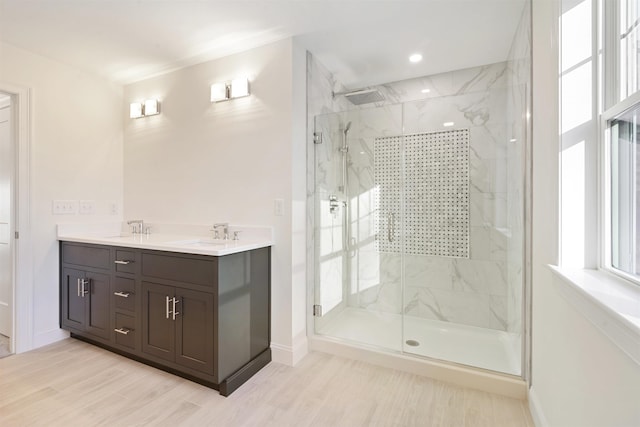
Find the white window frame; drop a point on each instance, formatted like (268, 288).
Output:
(610, 90)
(605, 184)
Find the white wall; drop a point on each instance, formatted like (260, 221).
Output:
(579, 377)
(76, 154)
(202, 163)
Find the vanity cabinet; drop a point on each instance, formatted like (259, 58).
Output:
(205, 318)
(85, 291)
(178, 326)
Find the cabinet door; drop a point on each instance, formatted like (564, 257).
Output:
(73, 309)
(97, 305)
(158, 327)
(194, 330)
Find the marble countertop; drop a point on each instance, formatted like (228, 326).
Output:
(186, 241)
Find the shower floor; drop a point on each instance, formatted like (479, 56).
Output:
(467, 345)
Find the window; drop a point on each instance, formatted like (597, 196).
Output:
(621, 161)
(629, 33)
(623, 133)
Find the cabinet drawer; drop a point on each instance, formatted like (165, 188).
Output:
(180, 269)
(125, 334)
(125, 261)
(86, 256)
(124, 293)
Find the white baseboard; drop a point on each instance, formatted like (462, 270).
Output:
(536, 410)
(290, 355)
(41, 339)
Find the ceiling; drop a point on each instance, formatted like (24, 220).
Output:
(363, 42)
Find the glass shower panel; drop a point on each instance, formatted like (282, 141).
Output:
(329, 216)
(459, 231)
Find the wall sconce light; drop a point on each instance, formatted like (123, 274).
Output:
(219, 92)
(135, 110)
(239, 87)
(149, 107)
(236, 88)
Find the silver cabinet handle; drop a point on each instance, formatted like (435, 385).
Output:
(122, 294)
(171, 311)
(122, 331)
(174, 312)
(83, 291)
(123, 261)
(78, 286)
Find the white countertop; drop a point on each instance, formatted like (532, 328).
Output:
(187, 241)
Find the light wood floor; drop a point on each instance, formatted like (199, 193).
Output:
(71, 383)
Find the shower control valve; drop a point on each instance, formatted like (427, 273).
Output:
(334, 204)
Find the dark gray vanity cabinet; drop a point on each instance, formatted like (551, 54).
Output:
(205, 318)
(178, 326)
(85, 291)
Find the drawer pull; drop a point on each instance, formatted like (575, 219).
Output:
(122, 331)
(122, 294)
(123, 261)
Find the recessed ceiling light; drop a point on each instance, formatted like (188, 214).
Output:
(448, 124)
(416, 57)
(513, 140)
(425, 90)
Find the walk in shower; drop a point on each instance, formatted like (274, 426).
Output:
(418, 203)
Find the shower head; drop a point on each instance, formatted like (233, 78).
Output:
(347, 127)
(362, 96)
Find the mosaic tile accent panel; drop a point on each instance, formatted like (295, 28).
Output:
(436, 193)
(387, 158)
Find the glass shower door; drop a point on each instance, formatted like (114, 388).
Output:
(358, 285)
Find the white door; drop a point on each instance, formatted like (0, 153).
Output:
(6, 242)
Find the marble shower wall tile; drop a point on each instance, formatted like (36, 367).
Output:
(488, 210)
(477, 276)
(450, 306)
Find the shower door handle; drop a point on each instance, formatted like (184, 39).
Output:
(391, 226)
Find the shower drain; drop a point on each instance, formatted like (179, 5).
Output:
(412, 343)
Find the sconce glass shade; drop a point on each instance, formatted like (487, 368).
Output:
(151, 107)
(239, 87)
(135, 110)
(218, 92)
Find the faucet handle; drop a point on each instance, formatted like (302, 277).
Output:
(236, 235)
(225, 230)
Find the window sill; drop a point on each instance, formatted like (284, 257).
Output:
(611, 303)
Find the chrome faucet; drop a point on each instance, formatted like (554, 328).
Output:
(137, 226)
(225, 230)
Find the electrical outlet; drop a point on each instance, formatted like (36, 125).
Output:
(65, 207)
(87, 207)
(278, 207)
(113, 208)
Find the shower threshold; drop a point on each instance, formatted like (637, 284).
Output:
(468, 345)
